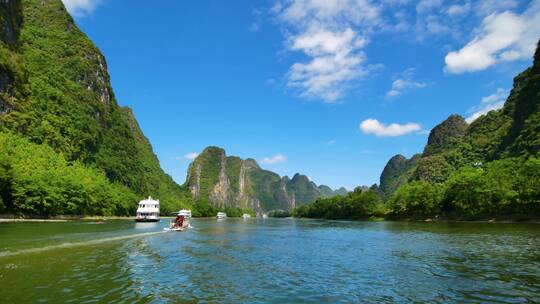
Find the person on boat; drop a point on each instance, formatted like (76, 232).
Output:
(180, 221)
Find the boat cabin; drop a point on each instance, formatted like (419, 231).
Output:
(148, 210)
(185, 213)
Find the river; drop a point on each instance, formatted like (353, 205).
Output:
(269, 261)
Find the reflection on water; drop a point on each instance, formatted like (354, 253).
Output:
(273, 260)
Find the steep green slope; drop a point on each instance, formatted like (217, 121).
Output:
(522, 137)
(398, 171)
(441, 155)
(36, 180)
(445, 135)
(227, 181)
(55, 90)
(305, 191)
(513, 131)
(486, 169)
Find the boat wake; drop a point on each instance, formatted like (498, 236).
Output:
(76, 244)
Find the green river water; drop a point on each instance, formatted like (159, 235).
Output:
(269, 261)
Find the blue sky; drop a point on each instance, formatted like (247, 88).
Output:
(331, 89)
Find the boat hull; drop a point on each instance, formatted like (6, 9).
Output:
(175, 229)
(146, 220)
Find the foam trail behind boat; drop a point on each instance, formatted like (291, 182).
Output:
(76, 244)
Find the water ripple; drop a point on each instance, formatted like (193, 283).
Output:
(283, 261)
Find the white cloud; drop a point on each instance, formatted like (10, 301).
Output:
(324, 31)
(491, 102)
(275, 159)
(331, 142)
(502, 36)
(427, 5)
(434, 25)
(500, 94)
(404, 82)
(81, 8)
(457, 10)
(331, 37)
(334, 62)
(255, 25)
(191, 155)
(431, 19)
(373, 126)
(308, 12)
(488, 7)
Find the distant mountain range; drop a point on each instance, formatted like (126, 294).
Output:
(229, 181)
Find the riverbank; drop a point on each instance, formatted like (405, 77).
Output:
(437, 220)
(15, 220)
(62, 218)
(11, 218)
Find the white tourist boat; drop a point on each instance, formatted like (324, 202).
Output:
(148, 210)
(246, 216)
(221, 215)
(185, 213)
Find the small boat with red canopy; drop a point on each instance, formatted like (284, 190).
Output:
(180, 222)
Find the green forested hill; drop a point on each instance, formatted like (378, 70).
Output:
(55, 91)
(231, 182)
(490, 168)
(513, 131)
(487, 168)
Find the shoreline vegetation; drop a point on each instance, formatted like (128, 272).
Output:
(507, 189)
(60, 219)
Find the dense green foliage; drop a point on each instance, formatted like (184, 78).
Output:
(506, 188)
(398, 171)
(55, 91)
(36, 180)
(502, 188)
(280, 213)
(238, 212)
(418, 199)
(445, 135)
(358, 204)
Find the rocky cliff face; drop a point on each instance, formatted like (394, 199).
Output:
(229, 181)
(12, 75)
(10, 21)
